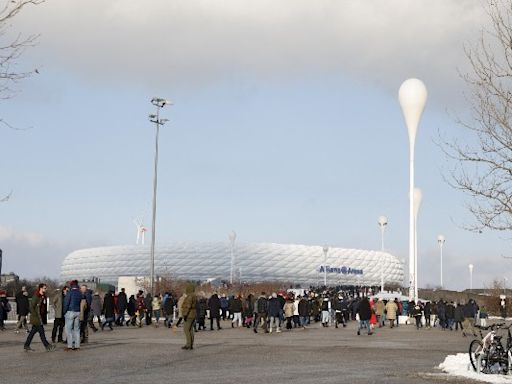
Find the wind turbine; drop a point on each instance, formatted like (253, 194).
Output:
(141, 230)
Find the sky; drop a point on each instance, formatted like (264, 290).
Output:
(285, 127)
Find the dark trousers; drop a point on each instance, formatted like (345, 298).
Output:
(457, 323)
(257, 318)
(58, 328)
(427, 320)
(418, 322)
(35, 329)
(224, 313)
(218, 322)
(149, 314)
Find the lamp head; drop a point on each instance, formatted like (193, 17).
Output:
(159, 102)
(326, 249)
(471, 266)
(232, 236)
(413, 97)
(441, 239)
(383, 221)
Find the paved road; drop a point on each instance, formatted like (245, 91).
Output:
(315, 355)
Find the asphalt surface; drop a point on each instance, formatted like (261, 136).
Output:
(313, 355)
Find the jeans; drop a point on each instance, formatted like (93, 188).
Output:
(120, 318)
(303, 321)
(156, 312)
(257, 319)
(35, 329)
(218, 322)
(73, 329)
(363, 324)
(274, 320)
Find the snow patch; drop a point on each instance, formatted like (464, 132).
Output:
(459, 365)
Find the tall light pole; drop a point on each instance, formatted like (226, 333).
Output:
(471, 266)
(232, 239)
(383, 222)
(440, 241)
(418, 196)
(326, 250)
(158, 103)
(412, 96)
(505, 285)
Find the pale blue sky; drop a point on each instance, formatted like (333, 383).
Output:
(283, 137)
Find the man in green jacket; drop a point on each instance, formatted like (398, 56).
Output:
(36, 321)
(189, 316)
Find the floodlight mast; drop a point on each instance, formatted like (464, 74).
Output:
(155, 118)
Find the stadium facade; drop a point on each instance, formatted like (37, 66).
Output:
(256, 262)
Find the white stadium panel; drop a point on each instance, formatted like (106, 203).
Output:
(257, 262)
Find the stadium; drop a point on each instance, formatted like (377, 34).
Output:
(256, 262)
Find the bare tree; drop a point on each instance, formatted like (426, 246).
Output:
(483, 167)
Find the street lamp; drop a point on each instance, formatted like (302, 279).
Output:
(440, 241)
(325, 249)
(232, 239)
(505, 285)
(471, 266)
(412, 96)
(383, 222)
(158, 103)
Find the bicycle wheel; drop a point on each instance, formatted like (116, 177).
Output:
(476, 349)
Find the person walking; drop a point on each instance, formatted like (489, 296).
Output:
(189, 317)
(391, 311)
(180, 312)
(261, 313)
(58, 308)
(469, 311)
(122, 304)
(108, 310)
(37, 321)
(236, 309)
(458, 316)
(157, 305)
(148, 302)
(96, 309)
(274, 307)
(141, 307)
(365, 312)
(224, 305)
(72, 316)
(427, 311)
(304, 311)
(23, 309)
(289, 309)
(214, 307)
(326, 308)
(380, 309)
(131, 308)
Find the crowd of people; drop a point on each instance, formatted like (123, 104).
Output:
(78, 310)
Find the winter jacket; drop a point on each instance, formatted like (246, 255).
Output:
(274, 307)
(132, 306)
(97, 305)
(262, 305)
(391, 310)
(289, 308)
(427, 309)
(180, 304)
(364, 310)
(224, 303)
(22, 304)
(72, 300)
(214, 306)
(108, 306)
(201, 308)
(458, 314)
(189, 304)
(122, 301)
(450, 311)
(236, 305)
(35, 310)
(380, 307)
(156, 303)
(303, 307)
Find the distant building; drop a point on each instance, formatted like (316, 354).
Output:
(9, 278)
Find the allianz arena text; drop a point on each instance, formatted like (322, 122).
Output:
(253, 262)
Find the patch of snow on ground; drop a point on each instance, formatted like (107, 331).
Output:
(459, 365)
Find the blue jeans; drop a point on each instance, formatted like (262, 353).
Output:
(366, 323)
(73, 329)
(303, 321)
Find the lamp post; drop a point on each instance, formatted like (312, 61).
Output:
(383, 222)
(505, 285)
(471, 266)
(418, 196)
(232, 239)
(412, 96)
(325, 249)
(440, 241)
(158, 103)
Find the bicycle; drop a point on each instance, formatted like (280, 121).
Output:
(488, 354)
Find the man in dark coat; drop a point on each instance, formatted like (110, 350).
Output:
(122, 303)
(261, 313)
(427, 311)
(36, 321)
(365, 313)
(303, 311)
(108, 310)
(22, 308)
(148, 302)
(214, 306)
(58, 307)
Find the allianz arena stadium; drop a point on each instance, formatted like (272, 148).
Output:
(256, 262)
